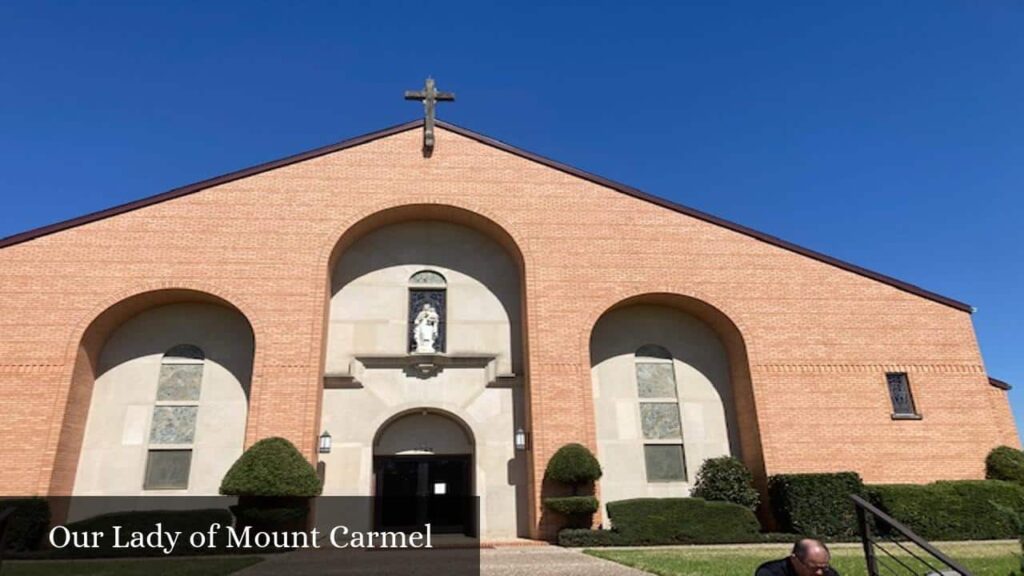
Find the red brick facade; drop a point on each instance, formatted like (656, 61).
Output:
(810, 341)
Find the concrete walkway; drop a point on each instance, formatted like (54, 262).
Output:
(521, 561)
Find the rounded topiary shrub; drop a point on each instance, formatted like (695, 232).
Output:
(574, 465)
(572, 505)
(272, 467)
(726, 479)
(1005, 463)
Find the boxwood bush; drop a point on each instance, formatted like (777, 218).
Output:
(572, 505)
(573, 465)
(816, 505)
(28, 523)
(274, 484)
(650, 521)
(272, 467)
(953, 510)
(1005, 463)
(583, 538)
(726, 479)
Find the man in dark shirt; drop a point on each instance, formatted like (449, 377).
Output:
(809, 558)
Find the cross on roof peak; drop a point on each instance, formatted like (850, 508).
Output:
(430, 97)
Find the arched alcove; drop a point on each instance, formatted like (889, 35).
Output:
(671, 388)
(161, 383)
(463, 274)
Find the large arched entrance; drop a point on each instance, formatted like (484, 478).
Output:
(423, 474)
(426, 312)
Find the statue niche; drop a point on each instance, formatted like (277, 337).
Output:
(427, 291)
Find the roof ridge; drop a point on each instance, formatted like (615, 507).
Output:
(483, 139)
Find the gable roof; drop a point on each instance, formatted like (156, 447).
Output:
(316, 152)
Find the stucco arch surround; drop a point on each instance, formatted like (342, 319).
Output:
(506, 475)
(731, 335)
(85, 346)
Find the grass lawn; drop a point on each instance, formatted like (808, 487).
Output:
(140, 567)
(981, 558)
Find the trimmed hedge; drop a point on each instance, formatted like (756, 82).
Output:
(583, 538)
(574, 538)
(649, 521)
(572, 505)
(1005, 463)
(272, 467)
(953, 510)
(816, 505)
(28, 523)
(573, 464)
(726, 479)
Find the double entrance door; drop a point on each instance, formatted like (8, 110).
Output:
(416, 490)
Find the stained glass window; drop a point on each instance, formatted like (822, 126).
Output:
(660, 422)
(175, 411)
(664, 462)
(899, 393)
(428, 296)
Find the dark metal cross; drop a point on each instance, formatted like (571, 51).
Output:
(430, 97)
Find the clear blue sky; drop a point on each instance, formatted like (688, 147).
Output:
(888, 134)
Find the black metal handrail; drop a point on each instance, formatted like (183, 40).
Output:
(892, 532)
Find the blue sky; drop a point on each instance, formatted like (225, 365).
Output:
(888, 134)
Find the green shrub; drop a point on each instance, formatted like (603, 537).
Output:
(27, 524)
(816, 505)
(573, 465)
(1005, 463)
(650, 521)
(726, 479)
(577, 538)
(272, 467)
(953, 510)
(572, 505)
(184, 521)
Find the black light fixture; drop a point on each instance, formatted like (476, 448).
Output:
(325, 442)
(520, 439)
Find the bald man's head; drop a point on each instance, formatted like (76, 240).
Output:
(811, 556)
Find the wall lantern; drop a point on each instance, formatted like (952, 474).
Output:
(325, 442)
(520, 439)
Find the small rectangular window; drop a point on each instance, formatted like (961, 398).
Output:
(665, 463)
(900, 395)
(167, 469)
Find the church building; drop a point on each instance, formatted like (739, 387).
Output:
(428, 308)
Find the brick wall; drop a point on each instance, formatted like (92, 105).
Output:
(818, 338)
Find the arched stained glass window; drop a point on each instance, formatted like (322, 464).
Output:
(659, 414)
(427, 312)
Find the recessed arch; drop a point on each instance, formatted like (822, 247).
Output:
(89, 364)
(727, 331)
(380, 269)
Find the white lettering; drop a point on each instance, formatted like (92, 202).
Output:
(233, 539)
(213, 529)
(334, 541)
(64, 532)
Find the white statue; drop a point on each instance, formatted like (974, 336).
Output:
(426, 329)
